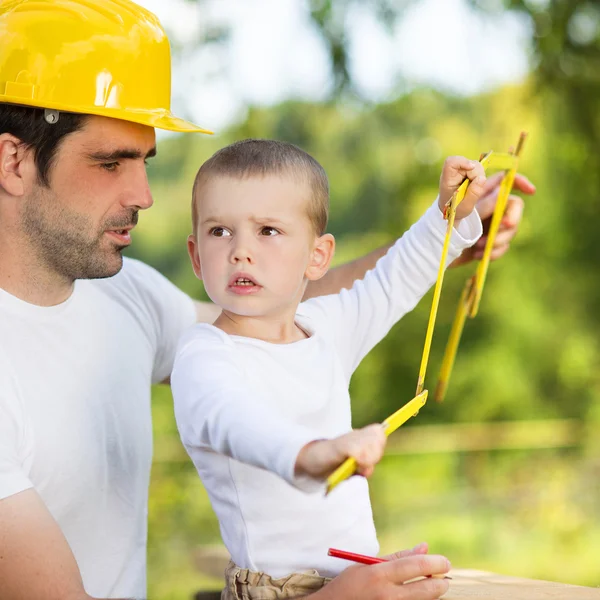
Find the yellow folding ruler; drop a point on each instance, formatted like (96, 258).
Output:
(469, 301)
(470, 298)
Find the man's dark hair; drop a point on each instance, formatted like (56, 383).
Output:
(29, 125)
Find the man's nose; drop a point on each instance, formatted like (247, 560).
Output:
(138, 193)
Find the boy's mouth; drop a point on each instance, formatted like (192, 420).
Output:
(242, 283)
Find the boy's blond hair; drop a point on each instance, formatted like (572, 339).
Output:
(252, 157)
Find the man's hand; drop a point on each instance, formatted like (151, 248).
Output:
(509, 224)
(386, 581)
(320, 458)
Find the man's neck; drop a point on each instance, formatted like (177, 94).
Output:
(23, 275)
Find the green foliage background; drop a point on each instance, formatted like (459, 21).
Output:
(531, 354)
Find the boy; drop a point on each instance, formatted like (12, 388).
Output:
(262, 395)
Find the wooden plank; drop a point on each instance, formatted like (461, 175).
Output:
(455, 437)
(503, 435)
(470, 584)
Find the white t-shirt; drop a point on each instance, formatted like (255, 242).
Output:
(241, 400)
(75, 419)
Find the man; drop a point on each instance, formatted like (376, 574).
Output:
(83, 84)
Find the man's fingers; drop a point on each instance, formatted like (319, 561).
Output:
(426, 589)
(496, 252)
(410, 567)
(486, 204)
(493, 182)
(508, 226)
(523, 184)
(503, 238)
(513, 212)
(515, 204)
(421, 548)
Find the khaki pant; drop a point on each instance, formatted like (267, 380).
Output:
(243, 584)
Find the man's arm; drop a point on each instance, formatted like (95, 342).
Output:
(345, 275)
(35, 558)
(387, 580)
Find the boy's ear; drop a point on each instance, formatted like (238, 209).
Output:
(320, 257)
(13, 164)
(194, 256)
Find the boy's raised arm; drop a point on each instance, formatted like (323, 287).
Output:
(345, 275)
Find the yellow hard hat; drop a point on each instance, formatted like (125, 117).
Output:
(100, 57)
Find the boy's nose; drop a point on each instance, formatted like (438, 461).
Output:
(241, 253)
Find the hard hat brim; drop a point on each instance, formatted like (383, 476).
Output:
(172, 123)
(159, 118)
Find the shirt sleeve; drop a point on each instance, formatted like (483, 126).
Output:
(215, 410)
(169, 311)
(359, 318)
(15, 443)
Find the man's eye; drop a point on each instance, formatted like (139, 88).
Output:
(219, 232)
(269, 231)
(112, 166)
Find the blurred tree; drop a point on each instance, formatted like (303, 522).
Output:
(534, 349)
(530, 353)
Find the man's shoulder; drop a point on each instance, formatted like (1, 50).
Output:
(132, 273)
(135, 284)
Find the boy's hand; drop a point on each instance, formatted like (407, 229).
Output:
(455, 170)
(320, 458)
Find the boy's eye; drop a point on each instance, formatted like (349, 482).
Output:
(110, 167)
(219, 232)
(269, 231)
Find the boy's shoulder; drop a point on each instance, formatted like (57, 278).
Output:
(318, 314)
(203, 335)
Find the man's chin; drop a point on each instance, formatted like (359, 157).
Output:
(105, 268)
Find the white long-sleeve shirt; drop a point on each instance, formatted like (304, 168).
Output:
(245, 408)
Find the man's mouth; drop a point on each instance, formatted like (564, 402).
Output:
(122, 235)
(121, 232)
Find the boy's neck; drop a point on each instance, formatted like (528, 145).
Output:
(275, 330)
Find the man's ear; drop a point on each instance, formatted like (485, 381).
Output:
(192, 246)
(13, 157)
(320, 258)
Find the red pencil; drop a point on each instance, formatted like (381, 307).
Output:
(359, 558)
(367, 560)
